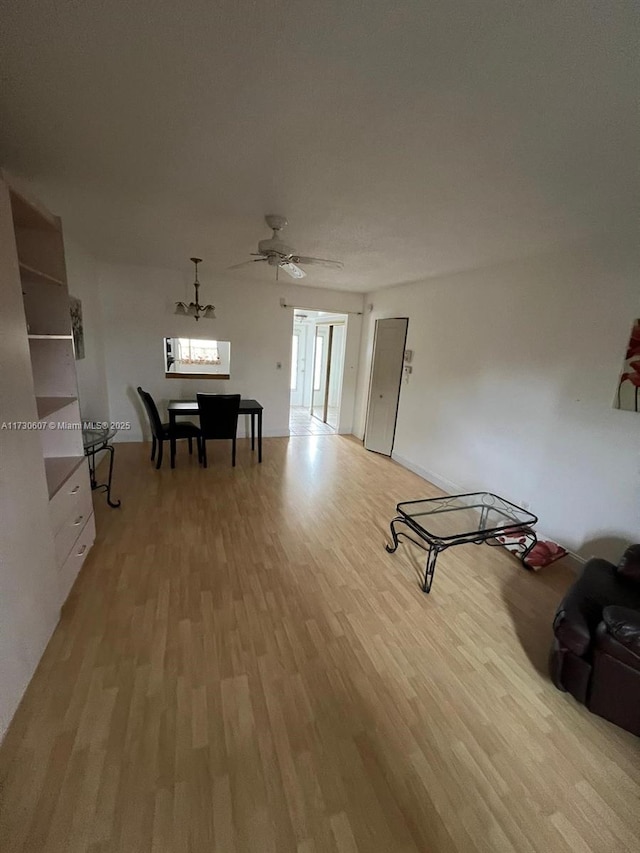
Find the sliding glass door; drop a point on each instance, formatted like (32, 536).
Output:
(334, 375)
(328, 367)
(320, 363)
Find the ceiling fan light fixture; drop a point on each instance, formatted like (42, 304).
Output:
(277, 254)
(293, 270)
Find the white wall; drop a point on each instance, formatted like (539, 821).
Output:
(514, 373)
(138, 304)
(82, 276)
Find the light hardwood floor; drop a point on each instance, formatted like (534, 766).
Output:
(242, 667)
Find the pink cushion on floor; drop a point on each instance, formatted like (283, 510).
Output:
(543, 554)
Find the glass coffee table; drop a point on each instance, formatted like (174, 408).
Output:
(94, 440)
(440, 523)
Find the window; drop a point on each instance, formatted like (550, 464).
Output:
(192, 357)
(197, 352)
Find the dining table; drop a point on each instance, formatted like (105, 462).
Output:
(189, 408)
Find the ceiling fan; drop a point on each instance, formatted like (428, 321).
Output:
(277, 254)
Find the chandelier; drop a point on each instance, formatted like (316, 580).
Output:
(194, 309)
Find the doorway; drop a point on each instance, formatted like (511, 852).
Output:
(384, 389)
(317, 369)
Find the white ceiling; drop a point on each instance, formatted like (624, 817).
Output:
(408, 139)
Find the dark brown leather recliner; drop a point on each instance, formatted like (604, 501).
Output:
(596, 650)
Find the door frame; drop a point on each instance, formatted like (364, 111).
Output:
(314, 317)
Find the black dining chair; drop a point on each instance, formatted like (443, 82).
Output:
(161, 432)
(218, 420)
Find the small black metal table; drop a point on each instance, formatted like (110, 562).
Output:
(95, 440)
(190, 407)
(478, 517)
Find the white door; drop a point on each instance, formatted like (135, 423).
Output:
(384, 390)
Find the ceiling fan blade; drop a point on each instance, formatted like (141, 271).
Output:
(293, 270)
(244, 263)
(325, 262)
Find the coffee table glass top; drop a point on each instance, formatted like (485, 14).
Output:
(93, 437)
(456, 516)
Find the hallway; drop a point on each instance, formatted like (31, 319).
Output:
(302, 423)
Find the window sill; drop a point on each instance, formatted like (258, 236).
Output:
(197, 376)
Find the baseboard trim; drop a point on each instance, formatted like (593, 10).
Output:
(575, 561)
(443, 483)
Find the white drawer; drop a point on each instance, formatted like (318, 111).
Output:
(67, 535)
(84, 506)
(72, 527)
(70, 497)
(73, 563)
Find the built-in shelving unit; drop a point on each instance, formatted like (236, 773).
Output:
(46, 307)
(28, 272)
(43, 281)
(47, 523)
(31, 214)
(48, 406)
(50, 337)
(58, 469)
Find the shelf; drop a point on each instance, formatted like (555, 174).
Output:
(50, 337)
(29, 214)
(48, 405)
(58, 468)
(31, 273)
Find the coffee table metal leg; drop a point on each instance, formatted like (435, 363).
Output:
(114, 504)
(432, 551)
(532, 541)
(91, 456)
(394, 535)
(92, 467)
(430, 568)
